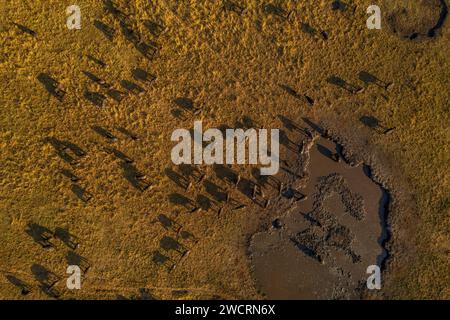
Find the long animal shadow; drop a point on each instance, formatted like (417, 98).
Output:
(252, 191)
(96, 79)
(95, 98)
(177, 178)
(368, 78)
(341, 83)
(313, 32)
(107, 31)
(51, 85)
(290, 193)
(325, 151)
(131, 87)
(374, 123)
(114, 94)
(75, 259)
(154, 28)
(187, 236)
(168, 223)
(205, 203)
(97, 61)
(25, 29)
(127, 133)
(40, 235)
(226, 174)
(218, 193)
(338, 5)
(136, 178)
(170, 244)
(314, 126)
(187, 105)
(296, 95)
(178, 114)
(292, 126)
(46, 279)
(109, 7)
(265, 181)
(148, 50)
(119, 155)
(290, 91)
(23, 286)
(288, 143)
(142, 75)
(162, 260)
(69, 174)
(81, 193)
(192, 172)
(128, 32)
(74, 148)
(66, 237)
(271, 9)
(181, 200)
(104, 133)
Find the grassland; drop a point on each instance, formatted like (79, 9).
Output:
(231, 66)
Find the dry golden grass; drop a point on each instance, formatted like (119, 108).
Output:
(231, 65)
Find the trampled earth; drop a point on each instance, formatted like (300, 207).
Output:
(86, 176)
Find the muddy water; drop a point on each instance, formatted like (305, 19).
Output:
(321, 246)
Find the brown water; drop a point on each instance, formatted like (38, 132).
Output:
(320, 247)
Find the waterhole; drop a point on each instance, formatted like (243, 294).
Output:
(320, 245)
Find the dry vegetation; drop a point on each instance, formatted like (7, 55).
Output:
(231, 66)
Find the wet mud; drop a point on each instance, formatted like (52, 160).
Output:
(319, 245)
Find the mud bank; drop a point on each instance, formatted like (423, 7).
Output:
(320, 243)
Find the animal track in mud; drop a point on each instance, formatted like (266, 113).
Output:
(319, 247)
